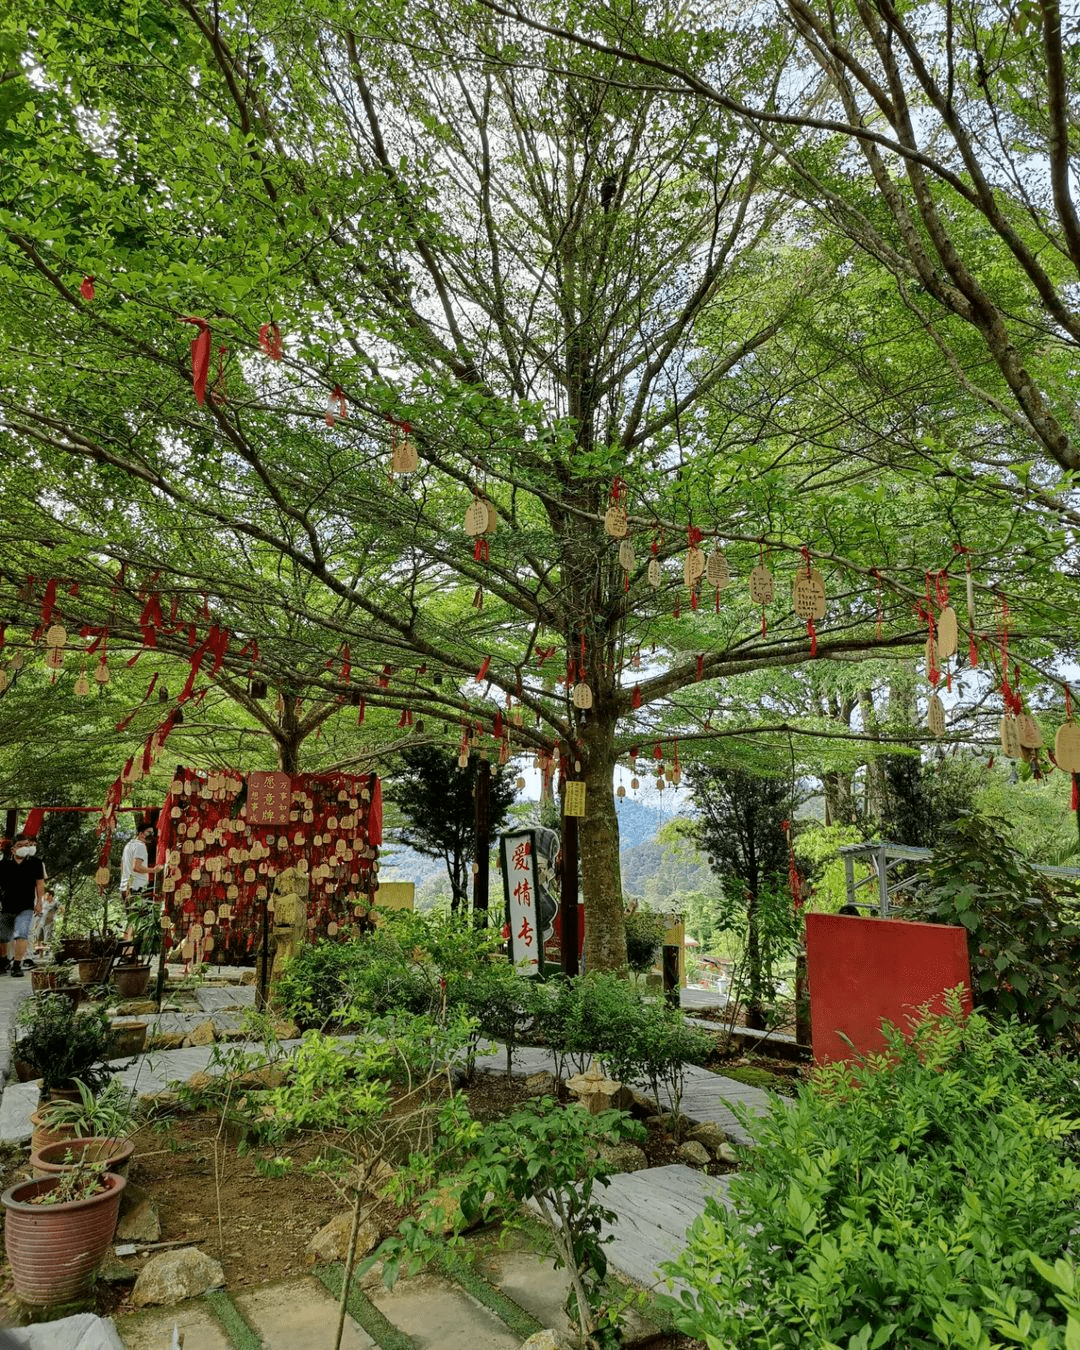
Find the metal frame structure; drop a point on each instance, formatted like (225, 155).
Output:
(881, 857)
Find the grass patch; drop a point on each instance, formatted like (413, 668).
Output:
(761, 1078)
(233, 1321)
(511, 1314)
(361, 1309)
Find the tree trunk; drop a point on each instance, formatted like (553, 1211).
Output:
(876, 786)
(755, 1003)
(288, 735)
(598, 838)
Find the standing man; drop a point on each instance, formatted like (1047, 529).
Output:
(135, 869)
(22, 888)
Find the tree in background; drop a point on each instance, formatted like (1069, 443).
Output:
(739, 823)
(438, 798)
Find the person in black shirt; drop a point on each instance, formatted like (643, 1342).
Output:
(22, 885)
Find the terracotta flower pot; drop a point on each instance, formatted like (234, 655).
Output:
(96, 970)
(46, 1133)
(131, 981)
(72, 992)
(47, 977)
(51, 1160)
(55, 1250)
(128, 1038)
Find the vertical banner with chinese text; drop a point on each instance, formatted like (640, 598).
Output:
(518, 855)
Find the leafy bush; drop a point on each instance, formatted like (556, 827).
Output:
(62, 1044)
(343, 984)
(644, 938)
(1023, 947)
(897, 1202)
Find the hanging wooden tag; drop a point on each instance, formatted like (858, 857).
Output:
(1067, 747)
(101, 876)
(82, 685)
(947, 633)
(574, 798)
(717, 571)
(476, 517)
(492, 517)
(582, 696)
(17, 660)
(403, 456)
(930, 658)
(693, 565)
(54, 658)
(56, 636)
(935, 716)
(615, 521)
(762, 586)
(1010, 736)
(1029, 731)
(4, 681)
(808, 594)
(635, 783)
(653, 573)
(101, 674)
(626, 556)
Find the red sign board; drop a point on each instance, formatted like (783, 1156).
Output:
(269, 798)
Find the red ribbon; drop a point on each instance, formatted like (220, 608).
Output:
(200, 358)
(700, 666)
(481, 552)
(86, 290)
(635, 699)
(270, 341)
(483, 669)
(811, 632)
(335, 406)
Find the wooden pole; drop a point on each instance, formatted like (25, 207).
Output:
(568, 899)
(481, 879)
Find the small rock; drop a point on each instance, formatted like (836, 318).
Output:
(694, 1153)
(248, 977)
(285, 1030)
(135, 1007)
(171, 1277)
(442, 1212)
(548, 1339)
(331, 1242)
(710, 1134)
(141, 1224)
(166, 1040)
(164, 1100)
(726, 1154)
(199, 1082)
(624, 1157)
(203, 1034)
(643, 1104)
(540, 1084)
(676, 1125)
(268, 1076)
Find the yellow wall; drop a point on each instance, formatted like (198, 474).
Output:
(674, 938)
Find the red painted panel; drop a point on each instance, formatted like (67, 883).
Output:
(864, 971)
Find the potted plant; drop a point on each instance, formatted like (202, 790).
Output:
(109, 1152)
(62, 1045)
(144, 922)
(57, 1231)
(113, 1114)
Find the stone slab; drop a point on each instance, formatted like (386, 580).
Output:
(188, 1021)
(18, 1103)
(440, 1316)
(299, 1315)
(154, 1330)
(212, 999)
(654, 1208)
(82, 1331)
(532, 1282)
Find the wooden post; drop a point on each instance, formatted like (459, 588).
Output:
(568, 899)
(262, 994)
(483, 843)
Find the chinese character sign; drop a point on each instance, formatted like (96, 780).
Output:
(269, 798)
(524, 921)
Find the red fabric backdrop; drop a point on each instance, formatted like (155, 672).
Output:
(217, 867)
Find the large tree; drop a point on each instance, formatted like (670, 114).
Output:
(569, 293)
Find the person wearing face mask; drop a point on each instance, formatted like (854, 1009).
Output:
(22, 887)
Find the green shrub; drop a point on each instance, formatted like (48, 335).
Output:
(63, 1045)
(897, 1202)
(1023, 947)
(644, 938)
(343, 984)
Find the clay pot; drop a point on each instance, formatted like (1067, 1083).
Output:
(96, 970)
(47, 977)
(75, 949)
(128, 1039)
(46, 1133)
(131, 981)
(72, 992)
(52, 1159)
(55, 1250)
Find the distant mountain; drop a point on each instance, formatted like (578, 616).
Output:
(638, 825)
